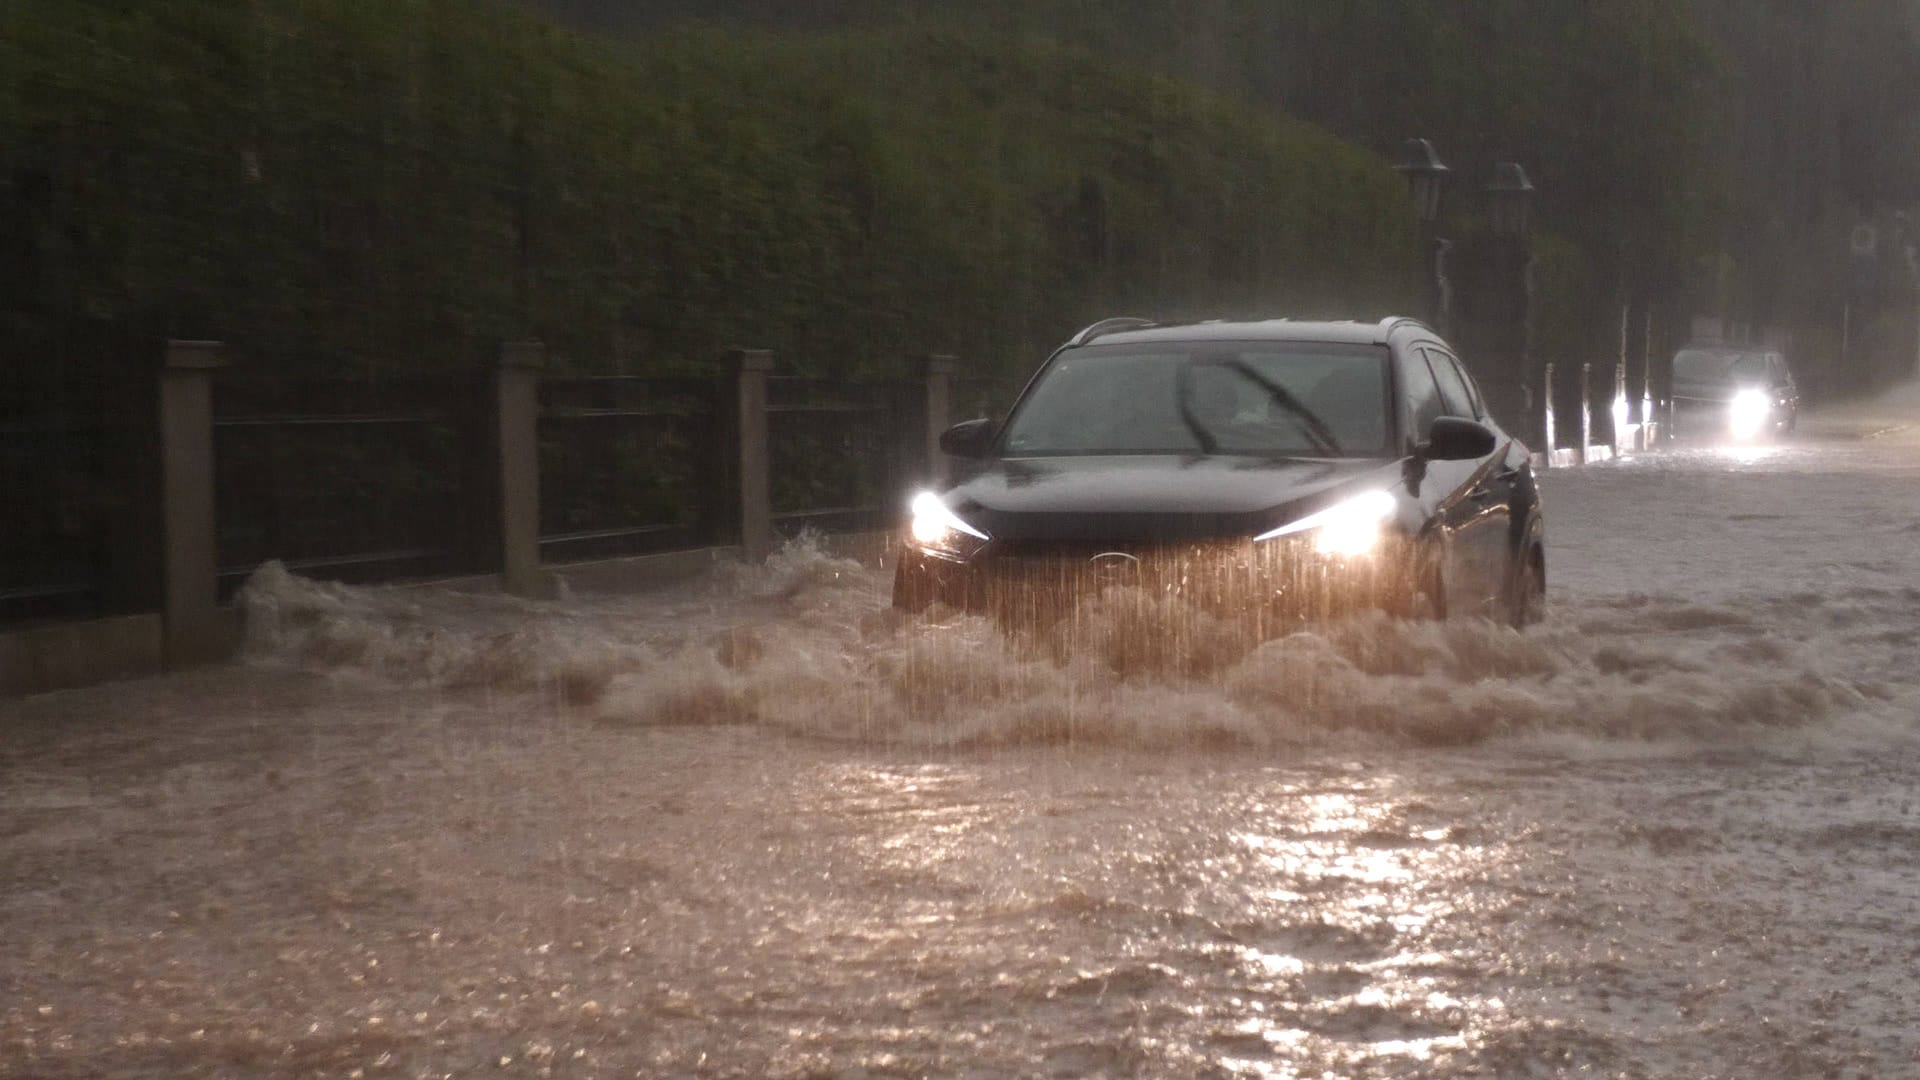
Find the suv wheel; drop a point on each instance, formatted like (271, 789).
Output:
(1529, 603)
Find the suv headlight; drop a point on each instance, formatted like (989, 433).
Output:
(1350, 527)
(939, 531)
(1748, 413)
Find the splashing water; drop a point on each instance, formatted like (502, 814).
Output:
(806, 645)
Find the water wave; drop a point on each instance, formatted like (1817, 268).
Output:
(806, 645)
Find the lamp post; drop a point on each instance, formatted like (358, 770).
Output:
(1509, 201)
(1496, 308)
(1908, 247)
(1426, 177)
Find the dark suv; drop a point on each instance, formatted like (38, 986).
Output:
(1278, 468)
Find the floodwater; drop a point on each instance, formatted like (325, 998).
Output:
(761, 827)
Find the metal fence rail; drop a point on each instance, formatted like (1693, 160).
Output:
(343, 479)
(629, 466)
(205, 471)
(836, 453)
(60, 495)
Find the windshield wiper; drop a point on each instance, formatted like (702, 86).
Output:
(1183, 380)
(1315, 428)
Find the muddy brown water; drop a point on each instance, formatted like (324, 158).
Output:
(760, 827)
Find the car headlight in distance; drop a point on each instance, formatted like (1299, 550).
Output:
(936, 528)
(1748, 412)
(1348, 528)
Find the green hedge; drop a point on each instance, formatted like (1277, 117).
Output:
(343, 187)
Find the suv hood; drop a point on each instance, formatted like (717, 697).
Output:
(1714, 389)
(1159, 497)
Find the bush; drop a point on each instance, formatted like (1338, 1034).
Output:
(338, 187)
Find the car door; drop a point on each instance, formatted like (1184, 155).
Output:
(1510, 478)
(1481, 517)
(1441, 486)
(1781, 379)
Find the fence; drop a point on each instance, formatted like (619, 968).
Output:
(627, 465)
(75, 454)
(349, 479)
(207, 472)
(1605, 420)
(54, 558)
(1597, 411)
(506, 473)
(865, 429)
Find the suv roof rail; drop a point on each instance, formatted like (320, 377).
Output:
(1108, 326)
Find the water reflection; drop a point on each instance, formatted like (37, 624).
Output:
(1283, 929)
(1747, 454)
(1362, 906)
(913, 819)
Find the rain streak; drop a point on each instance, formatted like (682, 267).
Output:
(815, 539)
(762, 825)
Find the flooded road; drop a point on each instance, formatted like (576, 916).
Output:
(761, 827)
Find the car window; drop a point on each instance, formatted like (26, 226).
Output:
(1700, 365)
(1719, 366)
(1473, 388)
(1424, 404)
(1453, 391)
(1287, 398)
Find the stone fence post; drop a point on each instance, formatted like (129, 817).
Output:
(1547, 426)
(194, 631)
(1586, 410)
(517, 435)
(1651, 425)
(1618, 407)
(748, 369)
(937, 372)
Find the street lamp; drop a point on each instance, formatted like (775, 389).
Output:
(1426, 177)
(1909, 249)
(1507, 302)
(1497, 309)
(1510, 200)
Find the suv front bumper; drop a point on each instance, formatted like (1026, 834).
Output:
(1273, 581)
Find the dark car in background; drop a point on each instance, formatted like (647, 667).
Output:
(1279, 469)
(1733, 392)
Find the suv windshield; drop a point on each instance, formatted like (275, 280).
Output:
(1212, 397)
(1715, 366)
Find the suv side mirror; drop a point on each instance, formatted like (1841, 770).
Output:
(968, 439)
(1455, 438)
